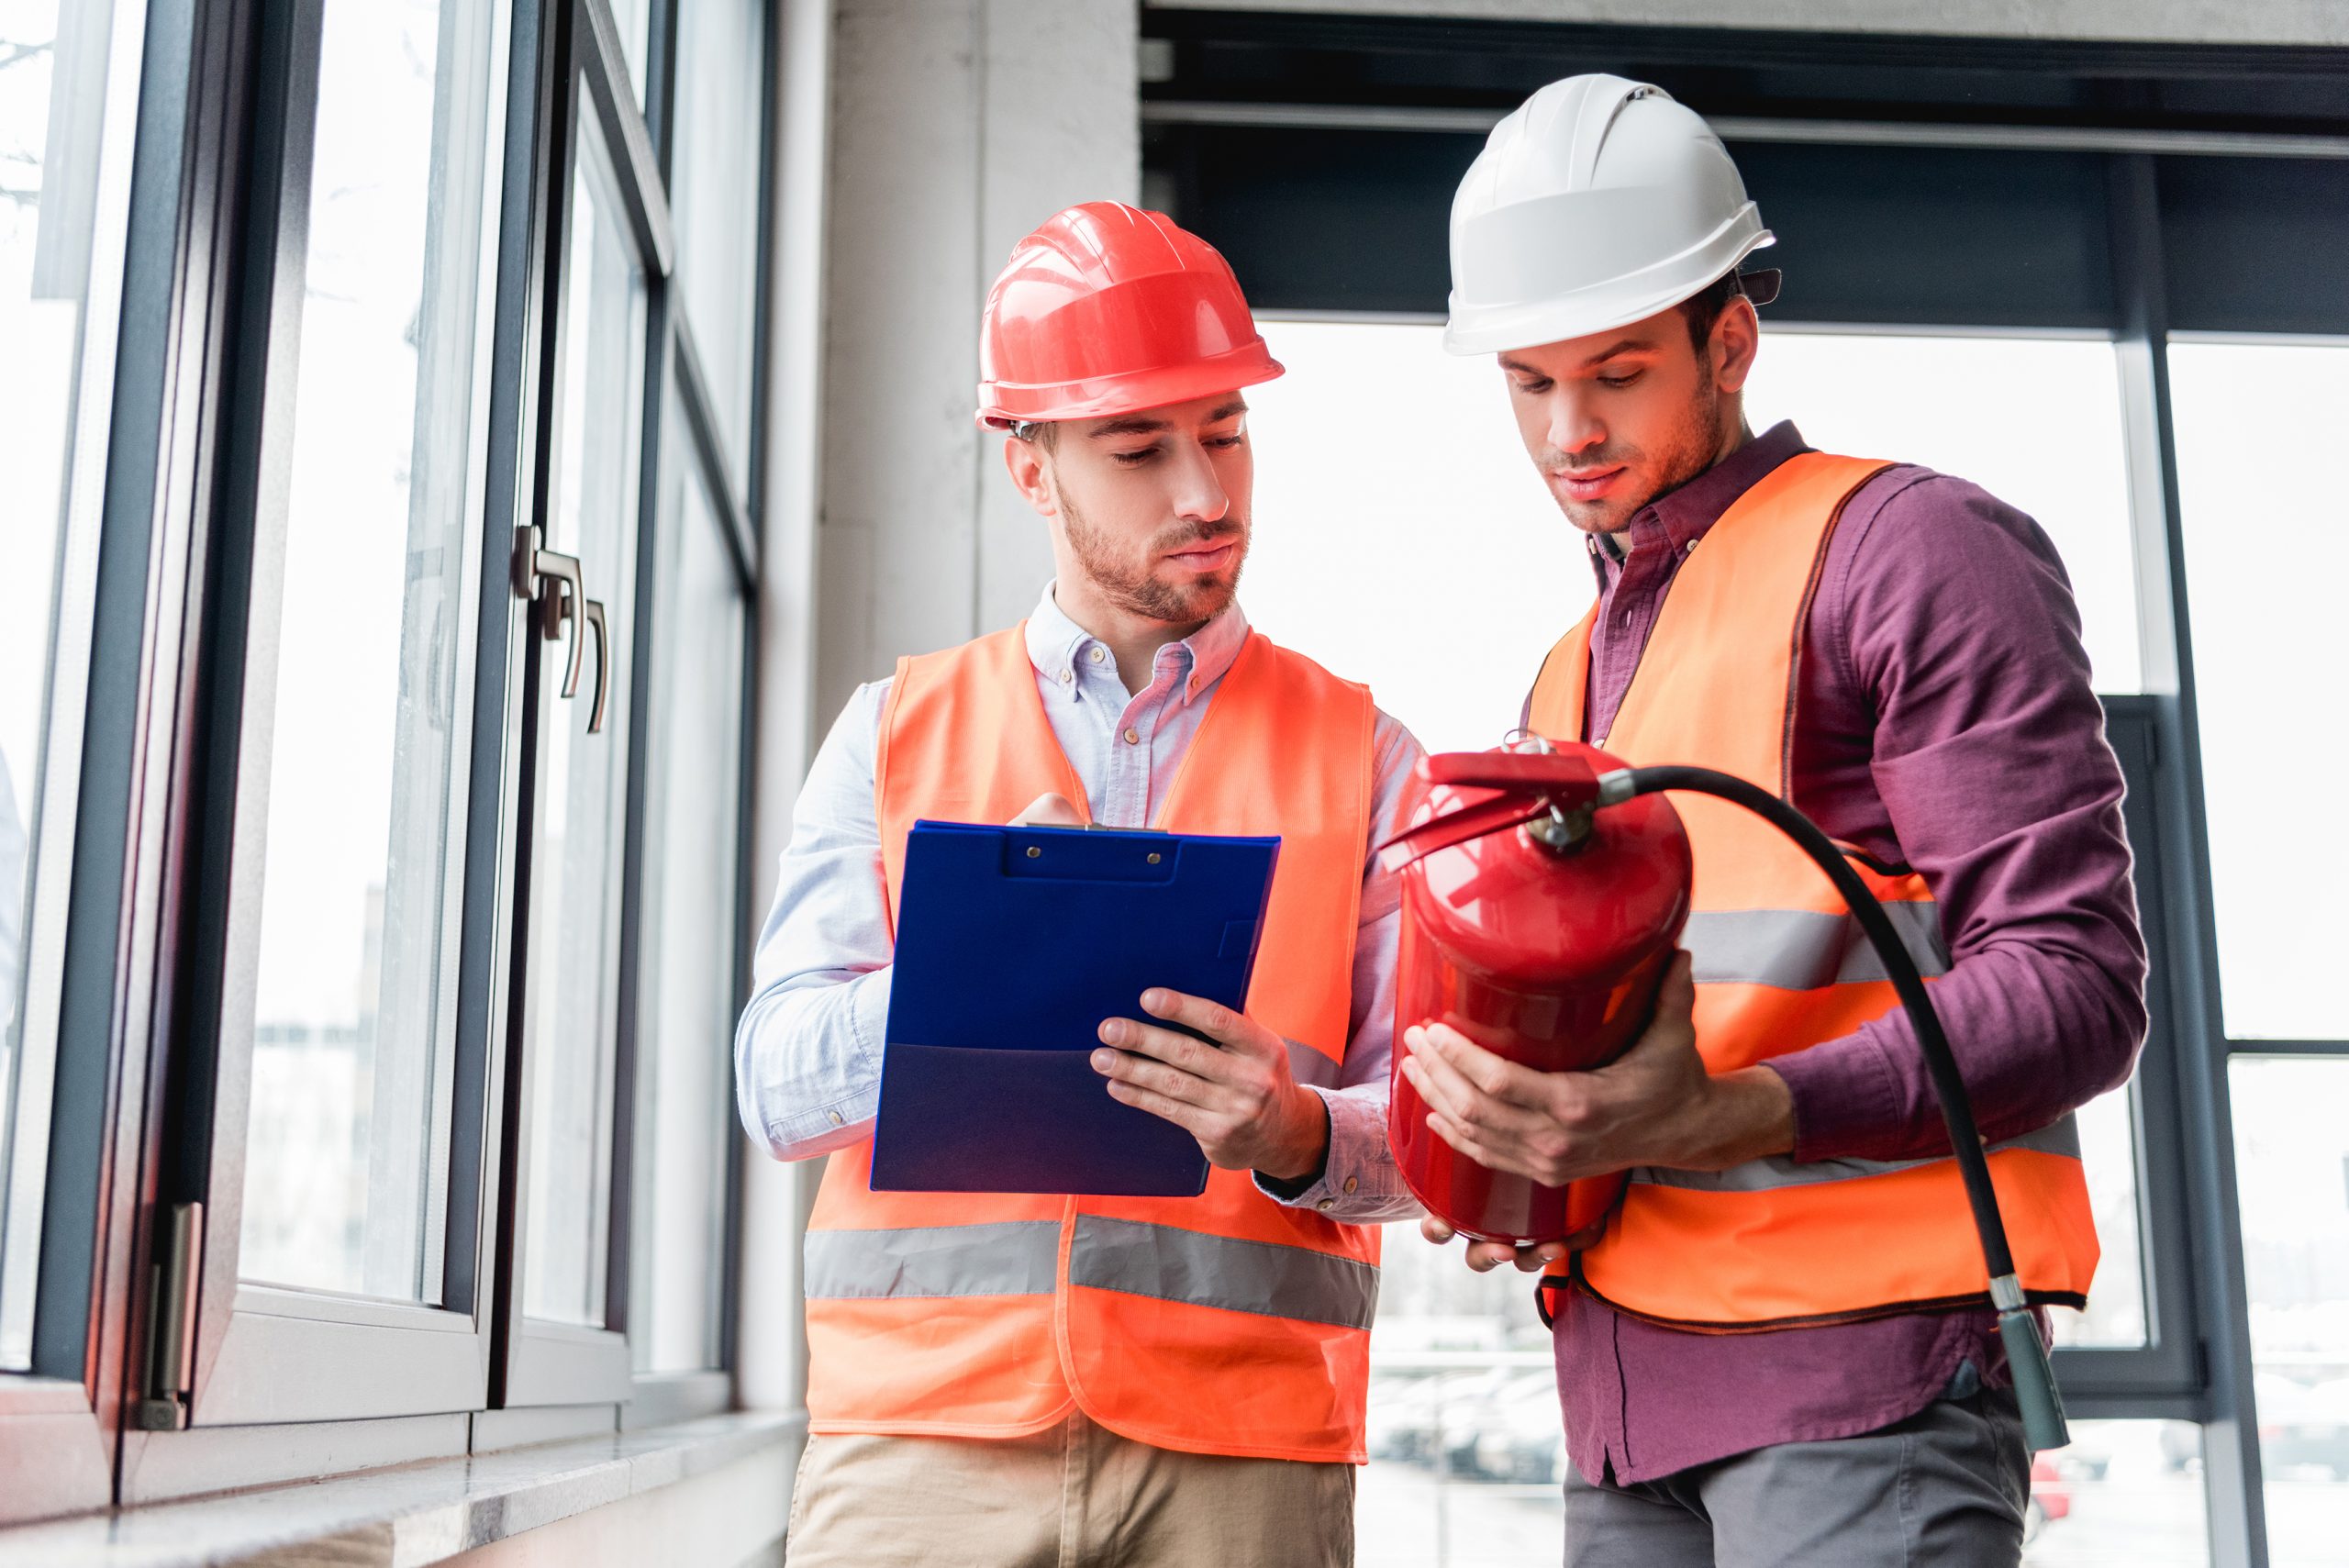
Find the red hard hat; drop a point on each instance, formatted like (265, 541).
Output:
(1107, 309)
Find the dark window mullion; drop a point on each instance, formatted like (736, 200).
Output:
(602, 62)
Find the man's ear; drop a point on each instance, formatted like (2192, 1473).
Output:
(1737, 338)
(1025, 462)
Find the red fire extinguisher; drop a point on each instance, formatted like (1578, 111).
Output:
(1540, 929)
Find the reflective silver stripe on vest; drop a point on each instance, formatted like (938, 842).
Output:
(1777, 1171)
(1019, 1257)
(1803, 950)
(1309, 1067)
(1173, 1264)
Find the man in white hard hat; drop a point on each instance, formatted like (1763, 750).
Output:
(1780, 1348)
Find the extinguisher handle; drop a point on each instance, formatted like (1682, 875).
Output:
(1530, 783)
(1458, 827)
(1569, 782)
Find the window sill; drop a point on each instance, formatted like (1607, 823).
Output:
(413, 1514)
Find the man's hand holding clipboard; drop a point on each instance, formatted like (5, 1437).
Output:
(1232, 1092)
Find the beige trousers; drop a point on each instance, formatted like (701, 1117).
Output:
(1074, 1496)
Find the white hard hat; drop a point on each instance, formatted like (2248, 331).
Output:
(1599, 202)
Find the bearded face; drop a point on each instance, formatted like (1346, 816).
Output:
(1149, 511)
(1188, 571)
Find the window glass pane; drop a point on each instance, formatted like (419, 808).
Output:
(634, 19)
(68, 87)
(1345, 512)
(369, 652)
(2124, 1495)
(691, 944)
(1959, 405)
(2292, 1183)
(1467, 1452)
(2115, 1317)
(721, 51)
(1360, 538)
(2266, 552)
(582, 778)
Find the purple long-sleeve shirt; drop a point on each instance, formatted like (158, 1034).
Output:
(1944, 721)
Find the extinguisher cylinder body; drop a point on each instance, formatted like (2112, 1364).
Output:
(1544, 943)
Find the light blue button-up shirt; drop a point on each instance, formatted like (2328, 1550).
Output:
(808, 1052)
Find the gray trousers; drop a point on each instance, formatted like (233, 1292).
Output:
(1945, 1488)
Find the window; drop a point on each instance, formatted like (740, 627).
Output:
(634, 22)
(2292, 1176)
(1963, 404)
(721, 50)
(2123, 1491)
(68, 78)
(692, 947)
(1466, 1452)
(2267, 549)
(425, 1065)
(1391, 492)
(363, 706)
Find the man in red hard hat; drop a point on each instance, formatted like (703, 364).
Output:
(1023, 1379)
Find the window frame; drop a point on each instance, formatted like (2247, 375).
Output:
(59, 1420)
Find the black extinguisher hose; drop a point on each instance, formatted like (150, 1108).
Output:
(2041, 1406)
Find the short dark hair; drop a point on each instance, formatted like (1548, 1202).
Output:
(1037, 432)
(1702, 309)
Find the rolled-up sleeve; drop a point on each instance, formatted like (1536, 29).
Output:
(1991, 760)
(1358, 1181)
(807, 1050)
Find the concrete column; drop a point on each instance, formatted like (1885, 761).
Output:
(957, 126)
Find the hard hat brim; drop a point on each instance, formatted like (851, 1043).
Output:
(1602, 308)
(1005, 404)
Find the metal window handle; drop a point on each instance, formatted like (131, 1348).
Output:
(534, 568)
(592, 611)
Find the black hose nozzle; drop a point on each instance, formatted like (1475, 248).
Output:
(2035, 1392)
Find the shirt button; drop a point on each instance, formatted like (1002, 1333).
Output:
(838, 1120)
(1133, 736)
(1066, 676)
(1326, 1205)
(1352, 1182)
(1095, 654)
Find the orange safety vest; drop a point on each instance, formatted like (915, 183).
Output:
(1780, 965)
(1225, 1323)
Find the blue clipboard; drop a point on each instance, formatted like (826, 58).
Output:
(1013, 945)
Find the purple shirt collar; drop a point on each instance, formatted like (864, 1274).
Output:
(1679, 518)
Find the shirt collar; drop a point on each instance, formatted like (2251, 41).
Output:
(1677, 518)
(1056, 644)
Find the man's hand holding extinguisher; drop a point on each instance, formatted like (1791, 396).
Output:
(1655, 1104)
